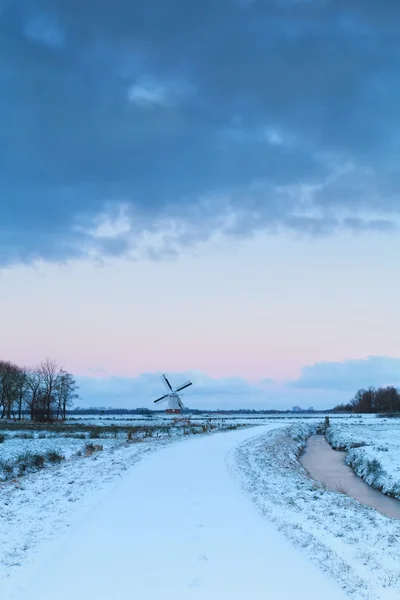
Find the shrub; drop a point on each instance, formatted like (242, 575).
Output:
(54, 457)
(91, 448)
(2, 438)
(25, 436)
(207, 426)
(357, 444)
(132, 435)
(37, 461)
(7, 470)
(29, 462)
(114, 431)
(374, 466)
(95, 433)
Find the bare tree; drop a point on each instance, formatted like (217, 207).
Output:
(381, 400)
(46, 391)
(49, 373)
(67, 393)
(33, 383)
(10, 377)
(22, 390)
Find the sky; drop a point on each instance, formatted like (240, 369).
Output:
(204, 189)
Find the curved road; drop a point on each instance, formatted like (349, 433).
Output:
(177, 527)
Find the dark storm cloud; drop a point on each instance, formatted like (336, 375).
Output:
(218, 114)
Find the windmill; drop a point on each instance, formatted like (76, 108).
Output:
(175, 404)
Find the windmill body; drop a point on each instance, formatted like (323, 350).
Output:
(172, 397)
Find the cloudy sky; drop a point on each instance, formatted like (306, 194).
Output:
(202, 187)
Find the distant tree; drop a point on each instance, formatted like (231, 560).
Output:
(50, 379)
(33, 383)
(23, 391)
(381, 400)
(67, 393)
(10, 379)
(343, 408)
(387, 399)
(45, 391)
(364, 400)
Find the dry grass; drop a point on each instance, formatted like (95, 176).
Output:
(92, 448)
(341, 488)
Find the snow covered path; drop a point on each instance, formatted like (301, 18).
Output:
(177, 527)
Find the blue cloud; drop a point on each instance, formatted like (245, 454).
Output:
(226, 115)
(350, 375)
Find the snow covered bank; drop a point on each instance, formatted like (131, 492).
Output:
(355, 545)
(372, 450)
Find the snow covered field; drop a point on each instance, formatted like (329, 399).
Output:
(372, 450)
(163, 418)
(40, 498)
(26, 447)
(177, 526)
(123, 505)
(11, 448)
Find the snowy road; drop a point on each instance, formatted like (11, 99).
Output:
(176, 527)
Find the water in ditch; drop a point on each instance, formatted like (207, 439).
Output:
(328, 466)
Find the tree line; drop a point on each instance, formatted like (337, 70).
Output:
(373, 400)
(44, 392)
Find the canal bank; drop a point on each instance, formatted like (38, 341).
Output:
(328, 467)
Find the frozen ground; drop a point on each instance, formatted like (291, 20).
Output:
(130, 520)
(163, 418)
(38, 503)
(11, 448)
(175, 526)
(355, 545)
(26, 447)
(372, 450)
(41, 506)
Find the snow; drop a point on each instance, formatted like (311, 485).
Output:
(164, 418)
(11, 448)
(40, 504)
(177, 525)
(39, 507)
(354, 544)
(26, 449)
(376, 459)
(221, 515)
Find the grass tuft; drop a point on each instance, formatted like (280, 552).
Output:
(92, 448)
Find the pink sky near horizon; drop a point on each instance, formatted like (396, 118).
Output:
(260, 308)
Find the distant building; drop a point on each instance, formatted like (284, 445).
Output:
(297, 409)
